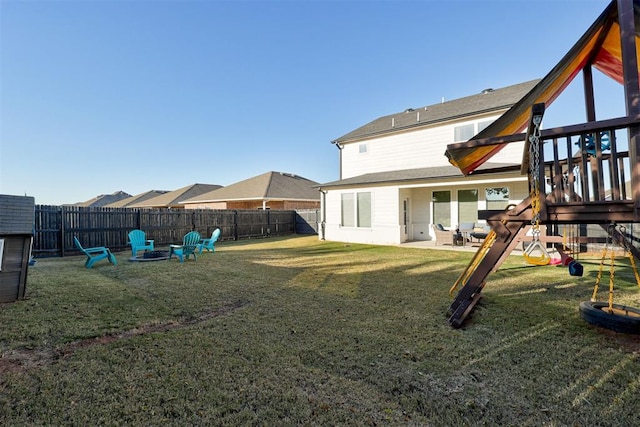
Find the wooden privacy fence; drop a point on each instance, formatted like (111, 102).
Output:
(55, 226)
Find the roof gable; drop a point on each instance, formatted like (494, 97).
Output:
(136, 199)
(269, 185)
(175, 197)
(104, 199)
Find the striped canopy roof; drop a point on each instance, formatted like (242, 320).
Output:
(599, 47)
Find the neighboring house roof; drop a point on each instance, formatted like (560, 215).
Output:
(176, 197)
(104, 199)
(268, 186)
(600, 47)
(420, 174)
(136, 199)
(487, 101)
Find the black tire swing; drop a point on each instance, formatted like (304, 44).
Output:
(616, 317)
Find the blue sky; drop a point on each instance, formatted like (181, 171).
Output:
(102, 96)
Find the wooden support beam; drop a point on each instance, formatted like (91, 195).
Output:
(626, 20)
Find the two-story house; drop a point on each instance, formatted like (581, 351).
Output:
(395, 179)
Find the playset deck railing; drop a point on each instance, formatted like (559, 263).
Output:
(588, 174)
(577, 175)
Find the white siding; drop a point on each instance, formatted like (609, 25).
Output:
(413, 149)
(385, 223)
(387, 209)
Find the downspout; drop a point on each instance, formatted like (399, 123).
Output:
(340, 158)
(323, 213)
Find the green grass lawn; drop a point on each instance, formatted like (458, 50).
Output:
(294, 331)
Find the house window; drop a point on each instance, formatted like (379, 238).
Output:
(463, 133)
(497, 198)
(364, 209)
(442, 208)
(467, 206)
(356, 209)
(483, 125)
(1, 252)
(362, 148)
(348, 210)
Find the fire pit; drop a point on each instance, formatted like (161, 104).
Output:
(151, 256)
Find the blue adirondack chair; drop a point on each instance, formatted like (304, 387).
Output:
(209, 244)
(95, 254)
(138, 241)
(187, 248)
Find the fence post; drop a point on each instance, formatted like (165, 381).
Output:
(235, 225)
(62, 230)
(268, 222)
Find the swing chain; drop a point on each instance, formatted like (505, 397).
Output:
(534, 165)
(627, 248)
(601, 266)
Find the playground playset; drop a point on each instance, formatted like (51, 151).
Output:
(579, 174)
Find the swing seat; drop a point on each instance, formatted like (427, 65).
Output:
(566, 260)
(616, 317)
(536, 254)
(575, 268)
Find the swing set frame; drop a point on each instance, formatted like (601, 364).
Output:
(595, 185)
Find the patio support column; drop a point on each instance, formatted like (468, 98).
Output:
(626, 19)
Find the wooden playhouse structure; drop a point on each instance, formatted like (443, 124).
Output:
(587, 173)
(17, 217)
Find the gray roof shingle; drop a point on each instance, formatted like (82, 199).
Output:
(420, 174)
(484, 102)
(269, 185)
(176, 197)
(104, 199)
(136, 199)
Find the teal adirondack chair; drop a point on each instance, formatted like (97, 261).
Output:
(187, 248)
(209, 244)
(138, 241)
(95, 254)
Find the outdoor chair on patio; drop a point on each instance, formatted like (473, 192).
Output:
(138, 241)
(209, 244)
(443, 236)
(188, 247)
(95, 254)
(480, 233)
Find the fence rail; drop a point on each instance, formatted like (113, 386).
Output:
(55, 226)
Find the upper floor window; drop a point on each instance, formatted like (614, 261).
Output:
(362, 148)
(463, 133)
(483, 125)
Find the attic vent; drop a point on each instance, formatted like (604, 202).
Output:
(488, 90)
(408, 110)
